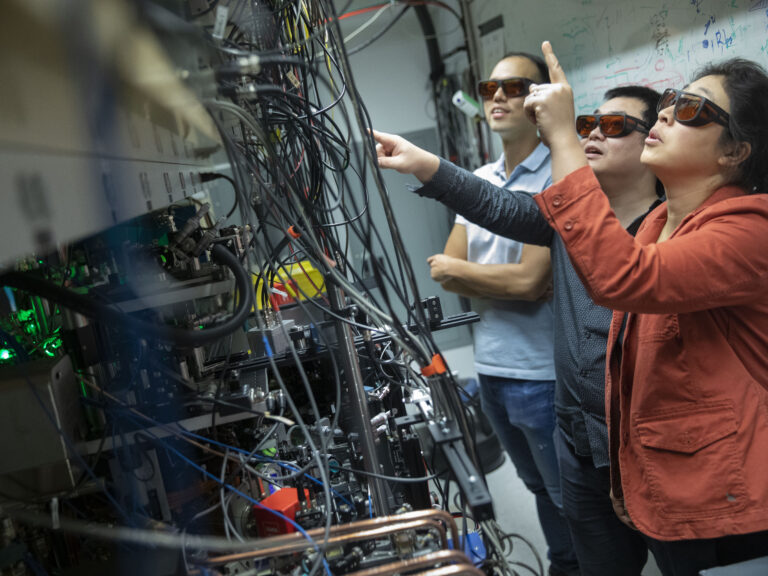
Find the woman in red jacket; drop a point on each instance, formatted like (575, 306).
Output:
(687, 371)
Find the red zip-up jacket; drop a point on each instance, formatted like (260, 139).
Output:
(687, 391)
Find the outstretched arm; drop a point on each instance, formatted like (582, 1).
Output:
(509, 213)
(398, 154)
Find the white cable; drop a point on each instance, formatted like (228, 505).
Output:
(368, 23)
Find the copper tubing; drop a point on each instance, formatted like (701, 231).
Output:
(278, 542)
(421, 523)
(298, 543)
(440, 515)
(426, 561)
(453, 570)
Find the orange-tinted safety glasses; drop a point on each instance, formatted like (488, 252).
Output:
(613, 125)
(513, 87)
(692, 109)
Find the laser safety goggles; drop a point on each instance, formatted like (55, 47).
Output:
(614, 125)
(513, 87)
(692, 109)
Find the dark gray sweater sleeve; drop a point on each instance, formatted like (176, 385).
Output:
(509, 213)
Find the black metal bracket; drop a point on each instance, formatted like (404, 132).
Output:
(449, 438)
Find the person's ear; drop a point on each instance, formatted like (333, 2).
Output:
(734, 154)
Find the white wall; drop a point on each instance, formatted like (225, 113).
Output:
(392, 75)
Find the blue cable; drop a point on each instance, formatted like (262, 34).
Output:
(370, 504)
(246, 453)
(242, 495)
(71, 448)
(267, 347)
(11, 298)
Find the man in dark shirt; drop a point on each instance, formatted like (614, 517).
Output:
(613, 144)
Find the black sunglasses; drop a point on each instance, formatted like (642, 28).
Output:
(613, 125)
(692, 109)
(513, 87)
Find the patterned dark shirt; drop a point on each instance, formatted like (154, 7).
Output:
(581, 326)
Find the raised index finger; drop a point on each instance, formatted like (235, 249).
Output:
(556, 73)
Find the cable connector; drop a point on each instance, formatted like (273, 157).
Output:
(249, 64)
(178, 240)
(243, 66)
(437, 366)
(207, 238)
(220, 24)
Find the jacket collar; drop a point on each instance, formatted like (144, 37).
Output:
(651, 227)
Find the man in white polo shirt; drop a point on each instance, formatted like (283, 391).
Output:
(509, 281)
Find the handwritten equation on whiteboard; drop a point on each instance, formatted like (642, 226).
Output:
(603, 44)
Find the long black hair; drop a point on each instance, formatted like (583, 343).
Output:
(746, 85)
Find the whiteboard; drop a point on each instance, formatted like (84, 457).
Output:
(602, 44)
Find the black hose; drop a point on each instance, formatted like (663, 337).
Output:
(436, 65)
(112, 316)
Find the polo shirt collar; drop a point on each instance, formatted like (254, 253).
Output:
(532, 163)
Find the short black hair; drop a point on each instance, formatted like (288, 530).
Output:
(537, 60)
(746, 85)
(647, 96)
(650, 98)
